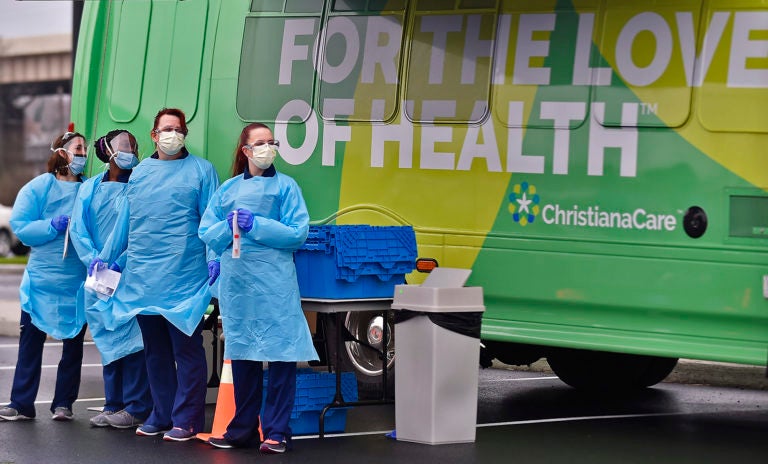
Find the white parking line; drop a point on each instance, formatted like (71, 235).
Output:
(502, 424)
(16, 345)
(519, 379)
(46, 366)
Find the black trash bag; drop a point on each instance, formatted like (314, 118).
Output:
(464, 323)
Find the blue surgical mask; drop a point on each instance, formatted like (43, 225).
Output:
(77, 165)
(125, 160)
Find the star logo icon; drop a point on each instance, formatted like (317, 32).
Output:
(524, 203)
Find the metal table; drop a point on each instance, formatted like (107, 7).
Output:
(338, 307)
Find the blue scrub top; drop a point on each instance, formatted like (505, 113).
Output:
(51, 289)
(259, 292)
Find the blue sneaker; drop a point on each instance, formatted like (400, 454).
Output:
(178, 434)
(148, 430)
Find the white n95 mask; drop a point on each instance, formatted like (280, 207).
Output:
(263, 156)
(170, 143)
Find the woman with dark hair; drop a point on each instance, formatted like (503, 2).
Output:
(166, 280)
(126, 390)
(51, 290)
(259, 292)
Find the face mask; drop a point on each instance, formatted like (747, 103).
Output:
(77, 165)
(170, 142)
(125, 160)
(263, 156)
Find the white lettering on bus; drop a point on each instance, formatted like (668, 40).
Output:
(656, 25)
(743, 49)
(624, 138)
(291, 52)
(747, 48)
(402, 134)
(528, 48)
(432, 134)
(383, 55)
(296, 109)
(638, 219)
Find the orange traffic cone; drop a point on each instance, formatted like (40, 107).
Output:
(225, 404)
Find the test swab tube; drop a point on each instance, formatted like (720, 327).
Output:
(66, 241)
(235, 236)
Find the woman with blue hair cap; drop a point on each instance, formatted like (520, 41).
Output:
(259, 292)
(166, 280)
(126, 389)
(51, 289)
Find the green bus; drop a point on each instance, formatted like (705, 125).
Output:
(600, 165)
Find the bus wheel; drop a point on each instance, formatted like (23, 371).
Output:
(364, 361)
(599, 370)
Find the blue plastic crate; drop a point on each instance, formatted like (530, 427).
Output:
(314, 391)
(355, 261)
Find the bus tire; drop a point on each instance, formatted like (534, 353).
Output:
(365, 362)
(601, 371)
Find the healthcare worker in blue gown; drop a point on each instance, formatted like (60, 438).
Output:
(126, 389)
(258, 292)
(52, 286)
(165, 282)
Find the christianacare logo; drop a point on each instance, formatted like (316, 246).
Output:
(524, 203)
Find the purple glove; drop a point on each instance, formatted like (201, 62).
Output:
(114, 267)
(96, 265)
(244, 219)
(214, 268)
(60, 223)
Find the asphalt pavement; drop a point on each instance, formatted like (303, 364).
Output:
(687, 371)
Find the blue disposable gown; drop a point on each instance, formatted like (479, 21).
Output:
(51, 289)
(93, 218)
(258, 293)
(166, 266)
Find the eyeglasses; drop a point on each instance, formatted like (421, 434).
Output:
(171, 129)
(258, 143)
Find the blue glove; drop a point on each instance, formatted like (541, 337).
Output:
(60, 223)
(244, 219)
(96, 265)
(115, 267)
(214, 268)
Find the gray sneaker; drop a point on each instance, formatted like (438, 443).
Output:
(62, 414)
(10, 414)
(100, 420)
(123, 420)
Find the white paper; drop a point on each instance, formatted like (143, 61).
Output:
(103, 282)
(447, 277)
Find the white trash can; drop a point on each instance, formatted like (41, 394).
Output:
(437, 368)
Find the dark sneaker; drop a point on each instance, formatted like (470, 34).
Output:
(123, 420)
(273, 447)
(10, 414)
(147, 430)
(100, 420)
(62, 414)
(178, 434)
(222, 443)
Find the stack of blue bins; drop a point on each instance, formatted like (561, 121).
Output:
(355, 261)
(314, 391)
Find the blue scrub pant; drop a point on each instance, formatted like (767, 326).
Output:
(26, 379)
(248, 381)
(126, 385)
(176, 369)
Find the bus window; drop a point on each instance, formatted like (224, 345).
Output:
(291, 67)
(735, 70)
(360, 64)
(651, 48)
(449, 64)
(543, 65)
(130, 26)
